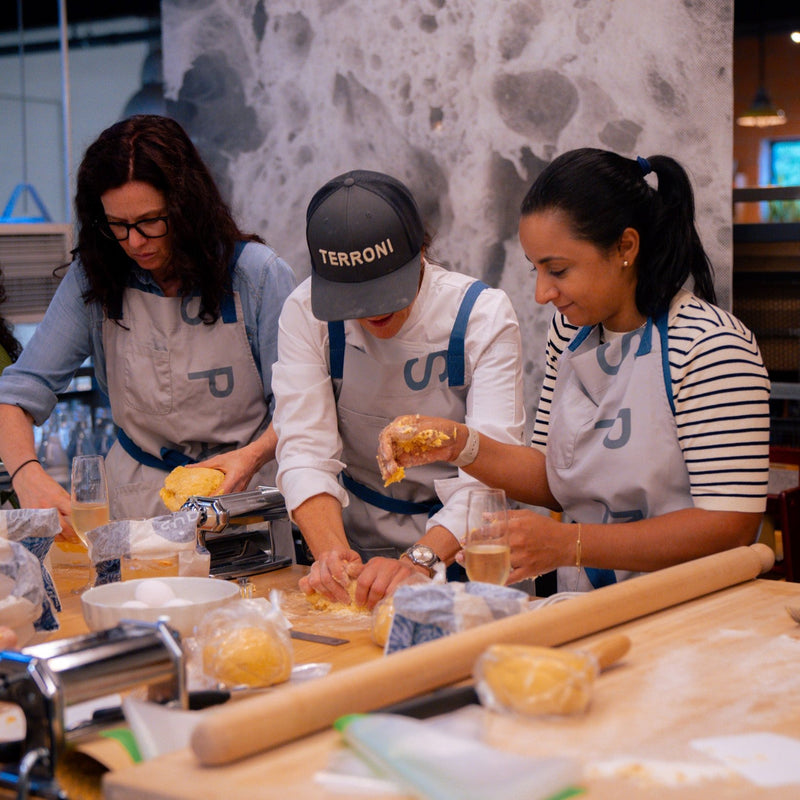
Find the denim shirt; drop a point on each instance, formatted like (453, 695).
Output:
(72, 330)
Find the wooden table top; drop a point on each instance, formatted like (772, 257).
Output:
(722, 664)
(354, 628)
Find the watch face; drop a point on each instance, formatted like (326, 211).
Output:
(423, 555)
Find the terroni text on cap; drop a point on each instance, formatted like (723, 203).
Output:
(365, 237)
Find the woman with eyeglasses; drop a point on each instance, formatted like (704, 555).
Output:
(178, 310)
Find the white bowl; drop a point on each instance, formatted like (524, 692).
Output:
(103, 605)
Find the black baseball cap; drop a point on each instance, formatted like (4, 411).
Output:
(365, 237)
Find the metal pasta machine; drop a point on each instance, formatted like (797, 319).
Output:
(246, 532)
(43, 681)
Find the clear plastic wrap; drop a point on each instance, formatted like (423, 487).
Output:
(246, 643)
(531, 681)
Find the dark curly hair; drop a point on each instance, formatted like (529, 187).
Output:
(7, 339)
(602, 193)
(156, 150)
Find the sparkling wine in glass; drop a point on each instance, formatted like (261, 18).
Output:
(88, 496)
(487, 555)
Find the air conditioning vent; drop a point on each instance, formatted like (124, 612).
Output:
(29, 252)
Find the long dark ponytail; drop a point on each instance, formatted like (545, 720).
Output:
(602, 193)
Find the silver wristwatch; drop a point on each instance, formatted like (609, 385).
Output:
(422, 556)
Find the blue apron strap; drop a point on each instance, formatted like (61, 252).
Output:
(168, 461)
(336, 348)
(579, 337)
(663, 332)
(455, 348)
(391, 504)
(227, 308)
(600, 577)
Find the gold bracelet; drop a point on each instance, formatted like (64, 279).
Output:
(578, 548)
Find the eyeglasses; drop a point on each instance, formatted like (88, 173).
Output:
(153, 228)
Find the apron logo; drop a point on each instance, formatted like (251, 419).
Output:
(613, 369)
(190, 318)
(214, 376)
(633, 515)
(416, 385)
(624, 416)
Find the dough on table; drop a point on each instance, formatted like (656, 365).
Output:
(184, 482)
(248, 656)
(532, 680)
(382, 616)
(319, 601)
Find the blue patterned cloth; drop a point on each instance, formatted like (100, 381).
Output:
(424, 612)
(30, 532)
(167, 533)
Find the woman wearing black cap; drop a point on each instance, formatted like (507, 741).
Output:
(652, 433)
(376, 329)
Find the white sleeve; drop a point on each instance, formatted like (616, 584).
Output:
(309, 446)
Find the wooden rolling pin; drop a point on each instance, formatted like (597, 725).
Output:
(265, 721)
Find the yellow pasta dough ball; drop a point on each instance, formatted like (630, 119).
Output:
(535, 680)
(248, 656)
(382, 616)
(322, 603)
(184, 482)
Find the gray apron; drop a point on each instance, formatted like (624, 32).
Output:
(612, 450)
(370, 394)
(180, 391)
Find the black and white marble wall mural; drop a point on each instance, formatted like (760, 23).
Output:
(464, 100)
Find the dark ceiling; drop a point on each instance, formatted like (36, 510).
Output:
(750, 16)
(44, 13)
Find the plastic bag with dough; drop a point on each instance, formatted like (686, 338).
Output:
(382, 616)
(246, 643)
(533, 680)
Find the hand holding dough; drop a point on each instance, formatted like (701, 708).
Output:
(411, 440)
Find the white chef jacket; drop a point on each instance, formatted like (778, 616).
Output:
(309, 445)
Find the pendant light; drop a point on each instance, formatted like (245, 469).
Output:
(762, 112)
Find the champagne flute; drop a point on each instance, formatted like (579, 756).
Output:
(88, 498)
(487, 554)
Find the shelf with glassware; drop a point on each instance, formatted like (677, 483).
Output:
(80, 424)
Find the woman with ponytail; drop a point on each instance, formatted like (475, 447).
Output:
(652, 431)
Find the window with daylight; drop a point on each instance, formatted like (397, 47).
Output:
(784, 170)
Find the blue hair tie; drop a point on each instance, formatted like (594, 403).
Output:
(644, 165)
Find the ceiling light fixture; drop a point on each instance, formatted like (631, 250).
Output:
(762, 112)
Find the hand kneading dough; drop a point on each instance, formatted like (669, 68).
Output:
(183, 482)
(247, 656)
(323, 603)
(535, 680)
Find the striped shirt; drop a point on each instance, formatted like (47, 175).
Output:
(720, 390)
